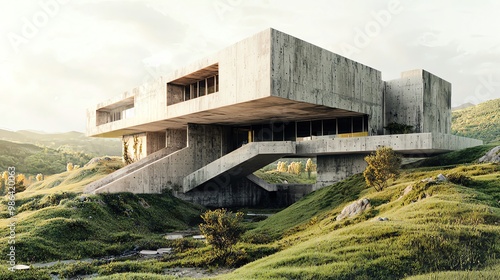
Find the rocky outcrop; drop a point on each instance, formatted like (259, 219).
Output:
(354, 209)
(492, 156)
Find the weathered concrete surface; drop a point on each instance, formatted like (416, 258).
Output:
(333, 169)
(167, 170)
(243, 193)
(125, 171)
(423, 144)
(240, 163)
(419, 99)
(304, 72)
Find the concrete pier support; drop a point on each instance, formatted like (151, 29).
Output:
(332, 169)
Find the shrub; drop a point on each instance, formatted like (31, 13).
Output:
(222, 229)
(459, 179)
(382, 166)
(398, 128)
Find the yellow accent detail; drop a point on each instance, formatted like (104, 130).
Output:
(355, 134)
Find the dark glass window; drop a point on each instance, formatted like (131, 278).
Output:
(211, 85)
(278, 131)
(357, 124)
(345, 125)
(290, 131)
(187, 92)
(202, 87)
(330, 127)
(303, 129)
(317, 128)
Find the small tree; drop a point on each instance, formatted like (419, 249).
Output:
(69, 166)
(39, 177)
(296, 168)
(19, 185)
(282, 166)
(382, 166)
(222, 229)
(310, 167)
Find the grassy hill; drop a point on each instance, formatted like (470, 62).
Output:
(444, 230)
(481, 121)
(67, 142)
(435, 227)
(55, 221)
(31, 160)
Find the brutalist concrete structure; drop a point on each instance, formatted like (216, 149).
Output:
(202, 131)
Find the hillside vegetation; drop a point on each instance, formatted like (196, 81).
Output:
(55, 221)
(435, 227)
(69, 142)
(481, 121)
(31, 160)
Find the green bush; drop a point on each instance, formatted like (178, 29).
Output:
(459, 179)
(222, 229)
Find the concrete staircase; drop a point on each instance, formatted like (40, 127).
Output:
(239, 163)
(129, 169)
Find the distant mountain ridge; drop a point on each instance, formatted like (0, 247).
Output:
(481, 121)
(463, 106)
(72, 141)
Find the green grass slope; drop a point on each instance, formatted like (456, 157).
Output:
(435, 228)
(69, 142)
(468, 155)
(481, 121)
(31, 159)
(55, 221)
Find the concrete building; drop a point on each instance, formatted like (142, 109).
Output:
(202, 131)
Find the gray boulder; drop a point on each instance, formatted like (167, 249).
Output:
(492, 156)
(441, 178)
(354, 209)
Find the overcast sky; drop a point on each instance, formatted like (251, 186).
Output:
(58, 58)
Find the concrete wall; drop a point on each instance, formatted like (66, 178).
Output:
(205, 144)
(304, 72)
(333, 169)
(419, 99)
(155, 141)
(176, 138)
(437, 104)
(244, 193)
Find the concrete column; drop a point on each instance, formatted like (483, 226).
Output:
(176, 138)
(155, 141)
(207, 142)
(332, 169)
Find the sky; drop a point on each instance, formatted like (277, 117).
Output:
(59, 57)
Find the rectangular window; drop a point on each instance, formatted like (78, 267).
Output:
(357, 124)
(199, 83)
(316, 127)
(330, 127)
(194, 90)
(187, 93)
(303, 129)
(211, 85)
(202, 87)
(278, 131)
(290, 131)
(345, 125)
